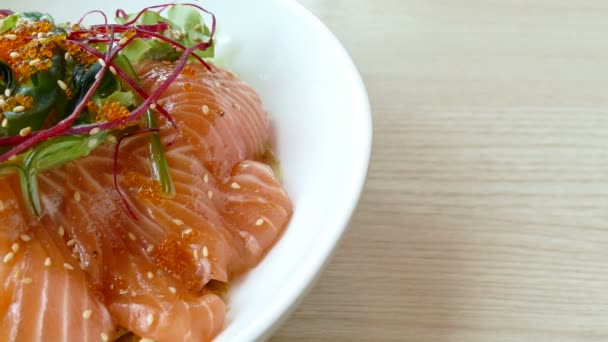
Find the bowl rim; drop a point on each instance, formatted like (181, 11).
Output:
(275, 314)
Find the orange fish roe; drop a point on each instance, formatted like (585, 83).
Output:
(19, 100)
(187, 86)
(79, 55)
(28, 47)
(189, 71)
(109, 111)
(148, 189)
(171, 257)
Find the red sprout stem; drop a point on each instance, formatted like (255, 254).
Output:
(105, 17)
(122, 195)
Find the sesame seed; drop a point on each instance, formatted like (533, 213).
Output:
(235, 185)
(210, 194)
(195, 254)
(62, 85)
(101, 62)
(67, 56)
(150, 249)
(7, 92)
(47, 261)
(205, 109)
(150, 275)
(206, 178)
(8, 257)
(259, 222)
(113, 70)
(2, 102)
(92, 143)
(19, 109)
(237, 106)
(153, 106)
(71, 243)
(11, 158)
(34, 62)
(104, 337)
(25, 131)
(217, 84)
(178, 222)
(15, 54)
(15, 247)
(87, 314)
(205, 251)
(150, 319)
(41, 35)
(26, 281)
(10, 36)
(77, 196)
(172, 290)
(132, 236)
(94, 131)
(25, 238)
(60, 231)
(111, 139)
(227, 89)
(68, 267)
(4, 122)
(188, 231)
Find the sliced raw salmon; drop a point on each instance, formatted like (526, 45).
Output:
(44, 294)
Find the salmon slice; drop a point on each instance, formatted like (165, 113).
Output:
(227, 211)
(44, 295)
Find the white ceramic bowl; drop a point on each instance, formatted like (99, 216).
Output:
(322, 122)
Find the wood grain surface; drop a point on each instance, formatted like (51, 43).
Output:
(486, 212)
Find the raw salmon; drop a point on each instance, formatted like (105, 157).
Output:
(44, 294)
(227, 212)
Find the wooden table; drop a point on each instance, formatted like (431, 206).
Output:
(486, 212)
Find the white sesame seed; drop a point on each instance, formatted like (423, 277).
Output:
(8, 257)
(205, 251)
(2, 102)
(34, 62)
(217, 84)
(60, 231)
(94, 131)
(47, 261)
(101, 62)
(15, 54)
(86, 314)
(150, 249)
(62, 85)
(10, 36)
(71, 243)
(188, 231)
(19, 109)
(25, 238)
(77, 196)
(113, 70)
(92, 143)
(210, 194)
(206, 178)
(235, 185)
(67, 56)
(26, 281)
(195, 254)
(237, 106)
(41, 35)
(172, 290)
(153, 106)
(150, 275)
(68, 266)
(205, 109)
(104, 337)
(147, 340)
(178, 222)
(15, 247)
(259, 222)
(150, 319)
(4, 122)
(227, 89)
(24, 132)
(7, 92)
(111, 139)
(132, 236)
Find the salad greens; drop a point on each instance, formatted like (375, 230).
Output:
(66, 89)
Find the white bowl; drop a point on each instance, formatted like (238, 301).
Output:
(322, 122)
